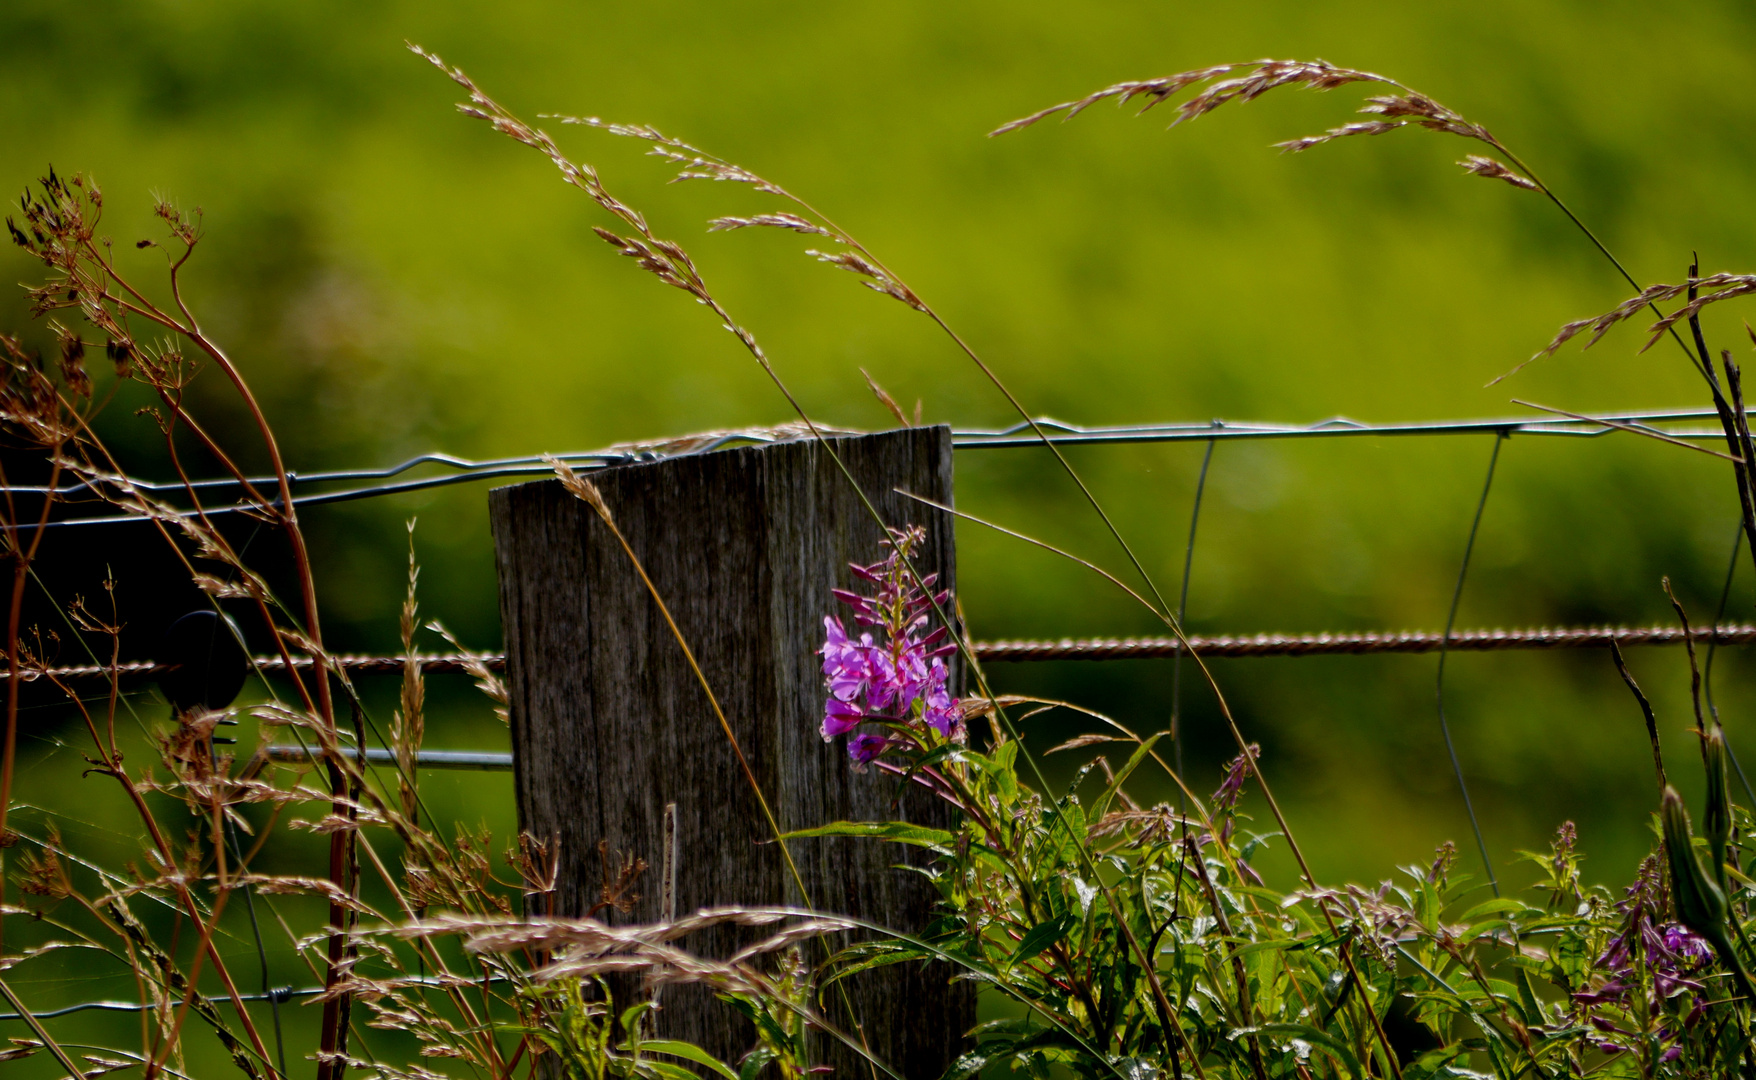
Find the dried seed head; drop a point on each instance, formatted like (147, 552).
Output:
(774, 221)
(73, 371)
(1259, 77)
(878, 280)
(580, 487)
(1477, 165)
(1359, 127)
(885, 399)
(1699, 292)
(121, 353)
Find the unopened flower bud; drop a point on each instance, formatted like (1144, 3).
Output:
(1716, 820)
(1701, 906)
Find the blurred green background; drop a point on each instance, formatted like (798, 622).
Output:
(395, 278)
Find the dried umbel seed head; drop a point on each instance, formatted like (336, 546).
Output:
(121, 353)
(73, 371)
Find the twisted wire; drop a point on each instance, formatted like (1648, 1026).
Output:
(1224, 646)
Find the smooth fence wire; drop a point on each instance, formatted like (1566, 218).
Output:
(1014, 437)
(354, 484)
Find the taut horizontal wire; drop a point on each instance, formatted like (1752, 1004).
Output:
(1016, 436)
(1576, 637)
(1126, 648)
(278, 994)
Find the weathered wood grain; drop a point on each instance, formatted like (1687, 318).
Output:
(609, 724)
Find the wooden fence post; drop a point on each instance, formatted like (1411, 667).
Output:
(609, 725)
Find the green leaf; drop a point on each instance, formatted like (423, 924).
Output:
(1042, 936)
(1338, 1049)
(754, 1063)
(1476, 930)
(967, 1066)
(688, 1052)
(1271, 945)
(884, 959)
(1500, 905)
(900, 832)
(630, 1018)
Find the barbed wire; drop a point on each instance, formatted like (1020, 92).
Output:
(1016, 436)
(1110, 648)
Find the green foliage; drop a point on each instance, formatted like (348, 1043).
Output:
(1054, 905)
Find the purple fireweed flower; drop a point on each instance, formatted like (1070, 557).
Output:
(1647, 965)
(839, 718)
(865, 747)
(941, 709)
(1686, 943)
(1225, 799)
(897, 675)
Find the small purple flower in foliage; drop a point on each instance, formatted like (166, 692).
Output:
(1648, 968)
(1225, 800)
(900, 679)
(865, 747)
(1686, 943)
(941, 709)
(839, 718)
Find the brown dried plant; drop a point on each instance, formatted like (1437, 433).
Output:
(1699, 291)
(1245, 82)
(196, 866)
(408, 723)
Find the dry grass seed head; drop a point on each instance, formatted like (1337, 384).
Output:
(791, 222)
(1394, 111)
(475, 664)
(1477, 165)
(1263, 76)
(1711, 290)
(579, 486)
